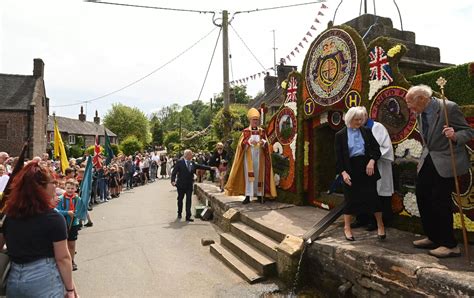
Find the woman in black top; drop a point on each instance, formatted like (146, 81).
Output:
(36, 238)
(356, 154)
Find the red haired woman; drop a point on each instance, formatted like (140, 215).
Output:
(36, 238)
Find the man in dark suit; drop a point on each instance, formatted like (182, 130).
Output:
(183, 178)
(435, 181)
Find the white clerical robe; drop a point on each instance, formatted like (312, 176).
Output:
(251, 189)
(384, 164)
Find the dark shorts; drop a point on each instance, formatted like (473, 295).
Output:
(72, 234)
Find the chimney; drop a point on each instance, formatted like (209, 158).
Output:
(270, 82)
(82, 116)
(38, 68)
(96, 118)
(283, 71)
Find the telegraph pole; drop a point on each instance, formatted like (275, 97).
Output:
(225, 54)
(274, 53)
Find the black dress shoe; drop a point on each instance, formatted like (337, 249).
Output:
(351, 238)
(179, 216)
(189, 219)
(382, 237)
(261, 199)
(246, 201)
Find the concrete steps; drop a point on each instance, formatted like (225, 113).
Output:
(235, 263)
(262, 242)
(275, 235)
(260, 262)
(248, 252)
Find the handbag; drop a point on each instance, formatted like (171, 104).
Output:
(4, 268)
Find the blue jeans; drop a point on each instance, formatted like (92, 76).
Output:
(36, 279)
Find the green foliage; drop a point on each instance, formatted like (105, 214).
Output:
(74, 151)
(238, 95)
(157, 133)
(126, 121)
(459, 87)
(174, 118)
(130, 145)
(238, 121)
(171, 138)
(115, 149)
(281, 165)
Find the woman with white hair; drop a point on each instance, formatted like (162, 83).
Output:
(356, 154)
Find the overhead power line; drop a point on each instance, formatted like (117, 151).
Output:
(261, 64)
(279, 7)
(210, 63)
(143, 77)
(152, 7)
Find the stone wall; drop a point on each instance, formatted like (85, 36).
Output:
(367, 270)
(13, 131)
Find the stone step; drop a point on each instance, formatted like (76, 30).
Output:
(236, 264)
(275, 235)
(262, 242)
(259, 261)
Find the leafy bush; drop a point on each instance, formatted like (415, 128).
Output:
(460, 85)
(130, 145)
(235, 121)
(75, 151)
(171, 137)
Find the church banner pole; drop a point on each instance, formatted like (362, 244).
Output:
(441, 82)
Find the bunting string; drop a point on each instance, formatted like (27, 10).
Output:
(307, 38)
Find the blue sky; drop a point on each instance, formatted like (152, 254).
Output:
(92, 49)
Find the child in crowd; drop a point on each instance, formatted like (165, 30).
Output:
(69, 173)
(67, 207)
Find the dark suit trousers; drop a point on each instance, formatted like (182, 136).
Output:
(188, 192)
(433, 195)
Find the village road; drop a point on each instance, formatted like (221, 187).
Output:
(137, 248)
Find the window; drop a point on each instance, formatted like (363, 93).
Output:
(72, 139)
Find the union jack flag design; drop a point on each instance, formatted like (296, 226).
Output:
(380, 69)
(292, 90)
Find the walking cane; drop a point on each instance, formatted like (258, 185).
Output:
(441, 82)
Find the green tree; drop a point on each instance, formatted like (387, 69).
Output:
(130, 145)
(171, 138)
(238, 121)
(126, 121)
(157, 134)
(238, 95)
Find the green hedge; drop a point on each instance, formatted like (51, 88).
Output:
(460, 85)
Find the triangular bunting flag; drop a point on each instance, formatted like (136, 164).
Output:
(309, 34)
(259, 74)
(316, 20)
(292, 53)
(323, 6)
(305, 39)
(320, 13)
(288, 57)
(312, 27)
(301, 44)
(297, 50)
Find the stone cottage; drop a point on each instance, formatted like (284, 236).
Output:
(24, 109)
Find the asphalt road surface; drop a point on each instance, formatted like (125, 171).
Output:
(137, 248)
